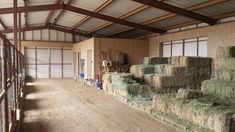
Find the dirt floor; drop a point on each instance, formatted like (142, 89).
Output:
(67, 106)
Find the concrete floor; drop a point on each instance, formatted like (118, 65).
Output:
(67, 106)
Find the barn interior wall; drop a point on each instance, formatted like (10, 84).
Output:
(82, 48)
(48, 35)
(218, 35)
(135, 50)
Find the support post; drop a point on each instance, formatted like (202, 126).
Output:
(4, 87)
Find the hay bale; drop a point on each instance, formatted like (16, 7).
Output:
(204, 62)
(220, 88)
(175, 60)
(225, 74)
(148, 78)
(188, 94)
(160, 68)
(122, 78)
(225, 63)
(225, 52)
(175, 70)
(155, 60)
(139, 70)
(161, 81)
(201, 112)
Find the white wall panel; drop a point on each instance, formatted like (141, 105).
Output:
(37, 35)
(29, 35)
(45, 35)
(42, 71)
(42, 56)
(53, 35)
(56, 56)
(69, 37)
(67, 56)
(31, 71)
(30, 56)
(61, 36)
(67, 70)
(56, 71)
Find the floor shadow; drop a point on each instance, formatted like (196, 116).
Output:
(30, 104)
(35, 126)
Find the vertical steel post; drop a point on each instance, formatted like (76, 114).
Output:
(4, 86)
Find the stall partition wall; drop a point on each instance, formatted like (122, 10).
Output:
(186, 47)
(48, 62)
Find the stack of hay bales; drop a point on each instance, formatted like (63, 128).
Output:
(155, 60)
(204, 113)
(223, 85)
(123, 84)
(214, 106)
(181, 72)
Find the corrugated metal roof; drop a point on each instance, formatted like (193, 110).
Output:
(40, 2)
(91, 24)
(111, 29)
(146, 15)
(37, 17)
(184, 3)
(9, 3)
(88, 4)
(218, 9)
(171, 22)
(132, 34)
(7, 19)
(68, 18)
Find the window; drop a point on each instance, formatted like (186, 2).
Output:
(186, 47)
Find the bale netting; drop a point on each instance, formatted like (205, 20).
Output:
(225, 52)
(225, 63)
(219, 88)
(155, 60)
(188, 94)
(225, 74)
(139, 70)
(202, 112)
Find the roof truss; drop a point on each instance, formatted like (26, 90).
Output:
(177, 10)
(81, 11)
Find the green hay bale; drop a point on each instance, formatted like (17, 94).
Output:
(161, 81)
(148, 78)
(204, 62)
(121, 77)
(201, 111)
(160, 68)
(155, 60)
(175, 60)
(225, 74)
(188, 94)
(225, 52)
(219, 88)
(139, 70)
(225, 63)
(175, 70)
(107, 77)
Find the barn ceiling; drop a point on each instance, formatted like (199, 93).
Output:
(121, 18)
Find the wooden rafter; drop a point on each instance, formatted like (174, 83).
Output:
(61, 12)
(3, 25)
(177, 10)
(50, 13)
(102, 6)
(169, 15)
